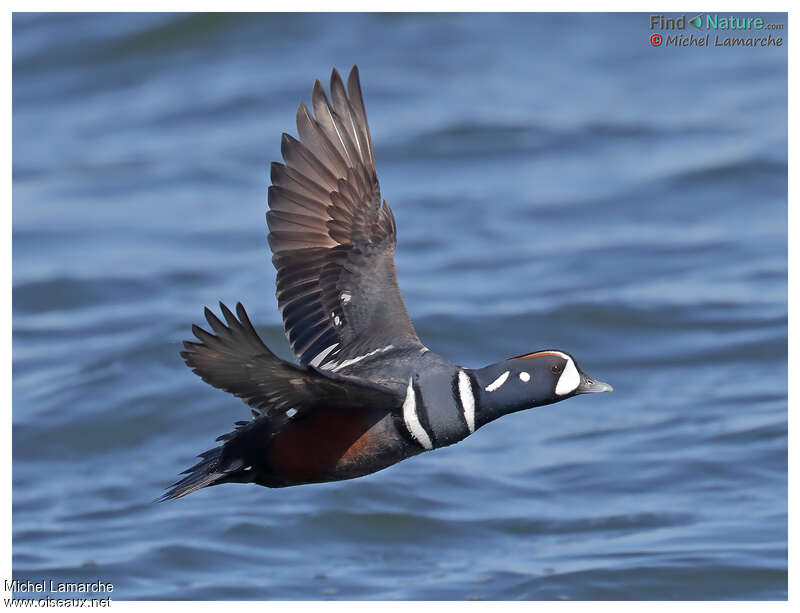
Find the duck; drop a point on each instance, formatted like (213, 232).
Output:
(365, 393)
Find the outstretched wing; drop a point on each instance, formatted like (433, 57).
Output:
(332, 239)
(235, 359)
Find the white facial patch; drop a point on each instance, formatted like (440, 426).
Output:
(524, 377)
(494, 385)
(569, 380)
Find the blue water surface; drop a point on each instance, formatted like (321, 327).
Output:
(557, 182)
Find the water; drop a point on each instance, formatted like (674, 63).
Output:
(557, 182)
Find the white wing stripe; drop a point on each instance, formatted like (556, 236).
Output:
(322, 355)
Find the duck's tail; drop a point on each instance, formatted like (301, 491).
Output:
(203, 474)
(227, 463)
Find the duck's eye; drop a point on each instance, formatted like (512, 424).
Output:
(556, 368)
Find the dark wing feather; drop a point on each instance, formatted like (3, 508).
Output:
(332, 239)
(235, 359)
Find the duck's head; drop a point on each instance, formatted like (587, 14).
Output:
(532, 380)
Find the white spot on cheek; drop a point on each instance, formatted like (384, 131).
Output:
(497, 383)
(524, 377)
(569, 379)
(346, 296)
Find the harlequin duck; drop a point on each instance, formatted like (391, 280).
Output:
(366, 393)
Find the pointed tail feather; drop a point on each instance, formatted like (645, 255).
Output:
(203, 474)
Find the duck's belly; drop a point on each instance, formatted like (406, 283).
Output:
(334, 445)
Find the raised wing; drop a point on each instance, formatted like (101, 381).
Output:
(332, 239)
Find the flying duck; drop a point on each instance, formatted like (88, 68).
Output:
(366, 393)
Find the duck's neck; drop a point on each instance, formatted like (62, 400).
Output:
(507, 387)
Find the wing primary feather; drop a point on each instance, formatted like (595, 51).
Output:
(283, 199)
(325, 116)
(216, 325)
(357, 104)
(313, 136)
(293, 181)
(342, 107)
(298, 156)
(229, 317)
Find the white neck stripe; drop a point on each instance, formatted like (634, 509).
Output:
(411, 418)
(467, 399)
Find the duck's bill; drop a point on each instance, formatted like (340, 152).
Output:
(592, 386)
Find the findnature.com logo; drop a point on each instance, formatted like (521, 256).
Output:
(750, 31)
